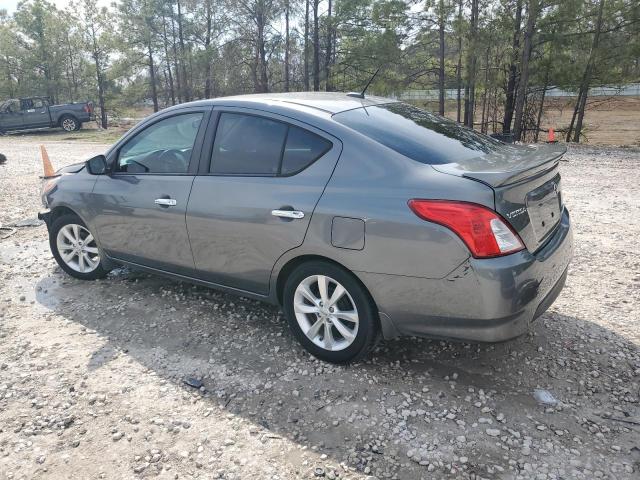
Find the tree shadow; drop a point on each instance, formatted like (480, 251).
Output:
(410, 392)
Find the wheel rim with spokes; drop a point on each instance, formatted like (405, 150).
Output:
(326, 313)
(68, 124)
(78, 248)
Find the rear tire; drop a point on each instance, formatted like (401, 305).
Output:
(75, 249)
(69, 123)
(330, 312)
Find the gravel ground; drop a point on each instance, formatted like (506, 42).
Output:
(92, 375)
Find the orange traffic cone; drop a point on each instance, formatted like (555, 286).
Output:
(552, 136)
(46, 163)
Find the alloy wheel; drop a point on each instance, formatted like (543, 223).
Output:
(326, 313)
(78, 248)
(68, 124)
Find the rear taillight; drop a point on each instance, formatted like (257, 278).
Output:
(88, 107)
(484, 232)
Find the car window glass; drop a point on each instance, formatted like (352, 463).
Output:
(418, 134)
(38, 103)
(302, 149)
(10, 106)
(247, 144)
(164, 147)
(27, 104)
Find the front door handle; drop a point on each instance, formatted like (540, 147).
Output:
(165, 202)
(288, 213)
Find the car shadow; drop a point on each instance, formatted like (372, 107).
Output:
(411, 390)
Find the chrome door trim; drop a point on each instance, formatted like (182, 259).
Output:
(166, 202)
(296, 214)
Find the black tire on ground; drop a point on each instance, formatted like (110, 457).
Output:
(58, 223)
(368, 331)
(69, 123)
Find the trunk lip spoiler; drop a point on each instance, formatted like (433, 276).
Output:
(502, 179)
(548, 158)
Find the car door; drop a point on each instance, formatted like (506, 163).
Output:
(252, 201)
(139, 207)
(36, 114)
(12, 118)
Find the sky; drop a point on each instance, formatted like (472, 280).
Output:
(11, 5)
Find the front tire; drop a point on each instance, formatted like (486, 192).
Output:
(330, 312)
(75, 249)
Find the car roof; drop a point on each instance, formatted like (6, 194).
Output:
(329, 102)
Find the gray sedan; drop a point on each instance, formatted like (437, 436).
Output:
(362, 217)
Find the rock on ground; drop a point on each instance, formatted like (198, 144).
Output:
(93, 376)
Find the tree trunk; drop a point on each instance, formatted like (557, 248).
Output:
(316, 48)
(470, 91)
(152, 78)
(172, 92)
(175, 58)
(286, 46)
(261, 74)
(466, 104)
(207, 48)
(541, 109)
(586, 80)
(327, 60)
(484, 124)
(532, 15)
(185, 82)
(459, 69)
(74, 81)
(306, 46)
(99, 79)
(441, 21)
(513, 70)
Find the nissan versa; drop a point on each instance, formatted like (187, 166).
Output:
(361, 217)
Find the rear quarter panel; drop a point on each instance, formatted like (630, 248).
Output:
(77, 110)
(374, 184)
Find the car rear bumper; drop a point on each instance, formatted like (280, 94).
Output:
(486, 300)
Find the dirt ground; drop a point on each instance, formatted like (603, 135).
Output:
(613, 121)
(608, 120)
(92, 374)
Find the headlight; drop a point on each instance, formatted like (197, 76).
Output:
(48, 186)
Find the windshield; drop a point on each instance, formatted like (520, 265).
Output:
(418, 134)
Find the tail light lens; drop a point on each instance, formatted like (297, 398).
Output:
(484, 232)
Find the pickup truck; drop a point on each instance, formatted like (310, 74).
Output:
(37, 112)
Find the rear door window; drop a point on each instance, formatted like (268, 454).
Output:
(418, 134)
(254, 145)
(247, 145)
(302, 149)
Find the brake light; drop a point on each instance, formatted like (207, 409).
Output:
(484, 232)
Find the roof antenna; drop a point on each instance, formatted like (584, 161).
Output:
(361, 94)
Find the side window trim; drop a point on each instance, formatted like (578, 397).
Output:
(196, 154)
(282, 150)
(207, 151)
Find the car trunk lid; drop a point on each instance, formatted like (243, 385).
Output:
(526, 185)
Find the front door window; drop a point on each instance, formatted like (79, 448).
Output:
(164, 147)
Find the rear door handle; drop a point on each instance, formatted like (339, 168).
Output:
(165, 202)
(288, 213)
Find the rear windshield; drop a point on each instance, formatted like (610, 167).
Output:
(417, 134)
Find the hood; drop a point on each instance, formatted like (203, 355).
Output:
(73, 168)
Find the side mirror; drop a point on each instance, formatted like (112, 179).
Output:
(97, 165)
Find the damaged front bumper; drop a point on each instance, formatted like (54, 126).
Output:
(45, 216)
